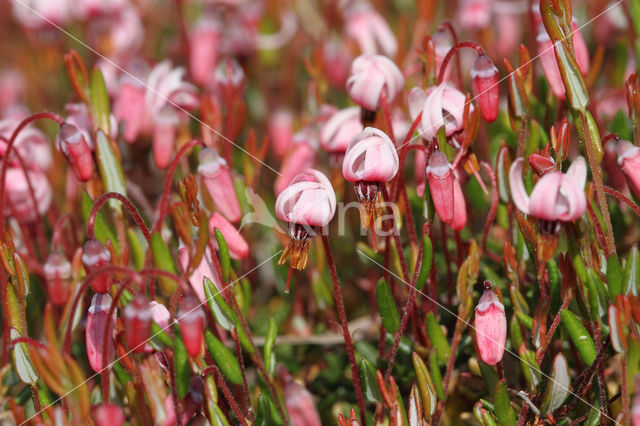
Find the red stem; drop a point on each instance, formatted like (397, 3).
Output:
(492, 211)
(129, 206)
(345, 329)
(445, 63)
(227, 393)
(447, 25)
(29, 341)
(623, 198)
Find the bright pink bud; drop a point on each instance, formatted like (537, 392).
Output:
(165, 127)
(57, 273)
(474, 14)
(300, 405)
(281, 131)
(370, 76)
(238, 247)
(137, 323)
(338, 131)
(442, 105)
(95, 328)
(541, 163)
(20, 203)
(629, 160)
(556, 196)
(484, 84)
(75, 149)
(130, 107)
(206, 268)
(94, 256)
(336, 60)
(369, 29)
(491, 326)
(446, 192)
(216, 177)
(308, 200)
(370, 157)
(107, 414)
(191, 321)
(203, 49)
(301, 157)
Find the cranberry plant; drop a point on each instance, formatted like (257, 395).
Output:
(180, 243)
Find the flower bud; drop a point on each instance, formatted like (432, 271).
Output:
(94, 334)
(137, 323)
(76, 150)
(107, 414)
(541, 163)
(57, 272)
(491, 326)
(446, 192)
(629, 160)
(191, 322)
(238, 247)
(95, 256)
(484, 84)
(165, 128)
(216, 176)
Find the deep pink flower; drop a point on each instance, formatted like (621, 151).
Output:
(95, 256)
(370, 157)
(137, 323)
(474, 14)
(484, 84)
(191, 321)
(216, 177)
(129, 107)
(280, 127)
(308, 200)
(629, 161)
(238, 247)
(556, 196)
(442, 105)
(204, 269)
(57, 273)
(301, 157)
(370, 76)
(20, 204)
(95, 328)
(615, 175)
(446, 192)
(491, 326)
(338, 131)
(204, 49)
(76, 150)
(107, 414)
(369, 29)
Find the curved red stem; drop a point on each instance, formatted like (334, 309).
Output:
(623, 198)
(129, 206)
(28, 341)
(492, 211)
(460, 45)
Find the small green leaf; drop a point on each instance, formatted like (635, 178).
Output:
(219, 308)
(576, 89)
(22, 360)
(181, 364)
(437, 337)
(558, 386)
(99, 99)
(110, 169)
(614, 276)
(504, 412)
(162, 260)
(525, 319)
(555, 285)
(269, 354)
(225, 260)
(530, 369)
(387, 307)
(218, 418)
(425, 385)
(159, 338)
(224, 358)
(631, 272)
(425, 264)
(369, 382)
(579, 336)
(436, 375)
(263, 413)
(137, 247)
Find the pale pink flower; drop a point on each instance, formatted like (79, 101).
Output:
(491, 326)
(206, 268)
(229, 76)
(301, 157)
(126, 33)
(95, 328)
(160, 314)
(280, 127)
(166, 86)
(84, 9)
(130, 107)
(31, 144)
(308, 200)
(629, 161)
(12, 88)
(556, 196)
(474, 15)
(216, 176)
(203, 49)
(20, 204)
(508, 25)
(446, 191)
(337, 132)
(369, 29)
(237, 245)
(370, 157)
(42, 13)
(442, 105)
(80, 118)
(336, 60)
(370, 76)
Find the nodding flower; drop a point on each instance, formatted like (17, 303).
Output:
(369, 29)
(216, 177)
(371, 75)
(629, 161)
(371, 160)
(446, 191)
(97, 322)
(204, 41)
(308, 202)
(280, 127)
(137, 323)
(57, 273)
(337, 132)
(555, 197)
(95, 256)
(336, 61)
(484, 84)
(301, 157)
(442, 105)
(191, 322)
(491, 326)
(442, 44)
(20, 204)
(75, 149)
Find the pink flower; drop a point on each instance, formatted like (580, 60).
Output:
(474, 14)
(370, 76)
(635, 406)
(373, 35)
(629, 160)
(75, 149)
(442, 105)
(446, 192)
(204, 269)
(191, 321)
(336, 60)
(556, 196)
(491, 326)
(338, 131)
(165, 86)
(370, 157)
(107, 414)
(508, 24)
(301, 157)
(484, 83)
(31, 144)
(165, 129)
(137, 323)
(20, 204)
(308, 200)
(615, 175)
(130, 107)
(41, 13)
(300, 405)
(12, 88)
(238, 247)
(96, 324)
(57, 273)
(216, 176)
(79, 117)
(95, 256)
(91, 8)
(280, 127)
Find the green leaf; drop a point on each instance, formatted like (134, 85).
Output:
(159, 338)
(576, 89)
(218, 418)
(181, 364)
(437, 337)
(369, 382)
(579, 336)
(558, 386)
(100, 227)
(504, 412)
(425, 264)
(121, 374)
(99, 98)
(225, 260)
(387, 307)
(530, 369)
(631, 272)
(162, 260)
(515, 334)
(224, 358)
(110, 169)
(269, 354)
(614, 276)
(525, 319)
(22, 360)
(137, 247)
(555, 285)
(263, 413)
(219, 308)
(425, 385)
(436, 375)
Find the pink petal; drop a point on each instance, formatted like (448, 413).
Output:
(518, 191)
(544, 197)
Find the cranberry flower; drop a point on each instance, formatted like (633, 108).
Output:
(370, 160)
(308, 201)
(556, 196)
(491, 326)
(20, 204)
(629, 161)
(442, 105)
(372, 33)
(338, 131)
(301, 157)
(446, 192)
(217, 179)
